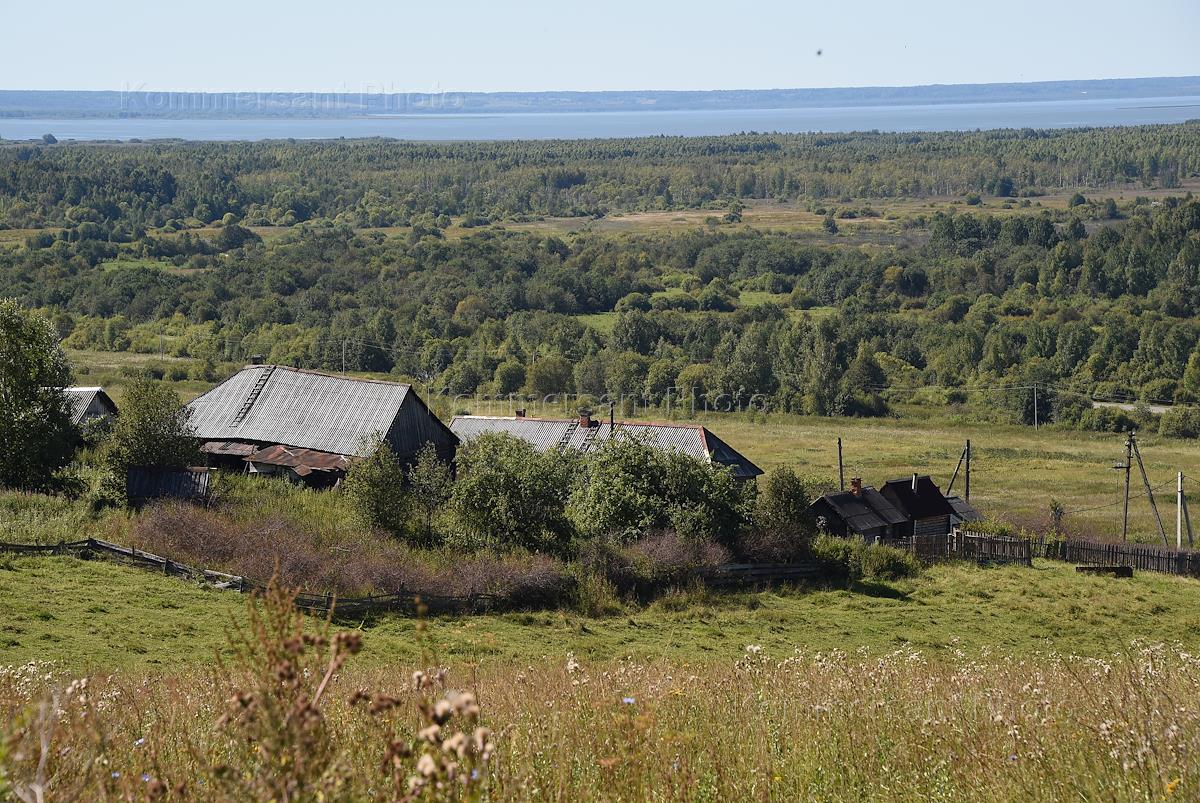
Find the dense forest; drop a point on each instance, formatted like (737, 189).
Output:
(1099, 299)
(123, 190)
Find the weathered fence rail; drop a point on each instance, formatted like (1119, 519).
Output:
(724, 576)
(754, 574)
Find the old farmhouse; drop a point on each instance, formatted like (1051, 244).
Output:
(861, 511)
(307, 425)
(90, 404)
(922, 503)
(584, 432)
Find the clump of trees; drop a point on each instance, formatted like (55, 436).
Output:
(37, 436)
(508, 495)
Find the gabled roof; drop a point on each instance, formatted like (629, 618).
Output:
(924, 503)
(82, 398)
(274, 404)
(544, 434)
(866, 511)
(964, 510)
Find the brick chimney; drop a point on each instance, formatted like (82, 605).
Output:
(585, 419)
(856, 486)
(519, 413)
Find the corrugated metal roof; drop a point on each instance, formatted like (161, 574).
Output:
(288, 406)
(304, 461)
(550, 433)
(81, 399)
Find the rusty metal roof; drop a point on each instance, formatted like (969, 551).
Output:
(302, 461)
(693, 440)
(275, 404)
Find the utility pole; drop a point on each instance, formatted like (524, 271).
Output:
(1179, 510)
(954, 476)
(967, 488)
(1128, 466)
(1035, 408)
(1150, 493)
(841, 469)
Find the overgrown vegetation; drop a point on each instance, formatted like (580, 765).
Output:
(292, 718)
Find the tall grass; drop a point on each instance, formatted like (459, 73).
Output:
(32, 518)
(288, 721)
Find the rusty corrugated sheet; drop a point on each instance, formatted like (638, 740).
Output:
(303, 461)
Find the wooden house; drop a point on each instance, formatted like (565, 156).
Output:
(310, 426)
(922, 504)
(585, 433)
(860, 511)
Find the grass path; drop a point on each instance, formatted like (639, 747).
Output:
(97, 615)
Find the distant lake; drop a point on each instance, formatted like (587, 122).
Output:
(576, 125)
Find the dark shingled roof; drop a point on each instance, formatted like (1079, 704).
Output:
(551, 433)
(925, 503)
(963, 510)
(866, 511)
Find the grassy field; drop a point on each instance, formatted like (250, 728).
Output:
(94, 615)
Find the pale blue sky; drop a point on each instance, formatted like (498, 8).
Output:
(465, 45)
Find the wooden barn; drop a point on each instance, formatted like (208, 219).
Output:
(310, 426)
(861, 511)
(90, 405)
(922, 503)
(584, 433)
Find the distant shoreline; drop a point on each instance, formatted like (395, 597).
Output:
(81, 104)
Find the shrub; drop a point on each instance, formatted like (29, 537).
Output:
(509, 494)
(856, 560)
(783, 526)
(630, 488)
(375, 488)
(1181, 422)
(660, 560)
(1106, 419)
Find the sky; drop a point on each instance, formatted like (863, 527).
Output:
(469, 45)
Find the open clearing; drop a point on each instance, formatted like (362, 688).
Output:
(95, 615)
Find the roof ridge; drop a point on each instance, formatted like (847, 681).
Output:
(326, 374)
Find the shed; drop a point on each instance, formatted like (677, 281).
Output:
(584, 433)
(90, 404)
(142, 484)
(311, 425)
(861, 511)
(922, 503)
(963, 510)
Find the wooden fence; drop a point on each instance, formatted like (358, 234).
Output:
(1143, 557)
(962, 545)
(319, 603)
